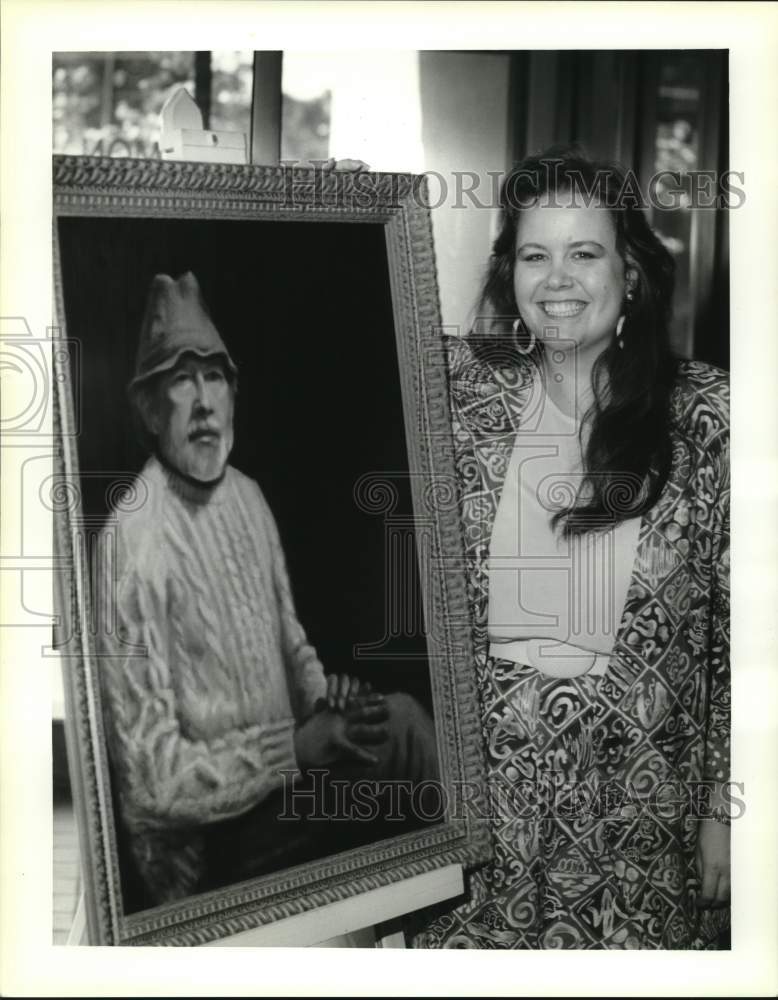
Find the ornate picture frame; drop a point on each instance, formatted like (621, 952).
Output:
(108, 215)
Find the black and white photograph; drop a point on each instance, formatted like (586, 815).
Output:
(384, 447)
(591, 463)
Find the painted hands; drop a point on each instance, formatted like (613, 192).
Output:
(349, 720)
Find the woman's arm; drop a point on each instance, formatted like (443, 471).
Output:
(713, 838)
(717, 745)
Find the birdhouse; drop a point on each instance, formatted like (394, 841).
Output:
(184, 138)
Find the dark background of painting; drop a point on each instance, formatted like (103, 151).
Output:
(305, 310)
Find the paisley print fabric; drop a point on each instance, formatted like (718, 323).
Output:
(592, 779)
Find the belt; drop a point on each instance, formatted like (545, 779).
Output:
(556, 659)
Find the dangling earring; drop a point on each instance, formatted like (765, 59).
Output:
(518, 328)
(622, 320)
(619, 328)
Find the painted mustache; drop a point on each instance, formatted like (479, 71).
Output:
(204, 433)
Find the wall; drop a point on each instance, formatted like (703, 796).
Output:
(465, 127)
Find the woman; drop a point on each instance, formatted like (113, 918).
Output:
(594, 484)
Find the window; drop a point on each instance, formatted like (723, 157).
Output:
(354, 104)
(306, 107)
(676, 148)
(108, 103)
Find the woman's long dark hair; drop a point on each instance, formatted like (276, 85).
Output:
(628, 453)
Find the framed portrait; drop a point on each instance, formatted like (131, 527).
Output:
(321, 286)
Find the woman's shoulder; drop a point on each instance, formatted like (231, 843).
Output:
(702, 384)
(701, 375)
(481, 366)
(462, 360)
(700, 400)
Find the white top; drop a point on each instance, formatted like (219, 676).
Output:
(554, 603)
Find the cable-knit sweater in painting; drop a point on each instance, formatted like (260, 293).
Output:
(204, 667)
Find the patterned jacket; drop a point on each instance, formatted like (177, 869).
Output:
(668, 675)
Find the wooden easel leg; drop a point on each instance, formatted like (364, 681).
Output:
(78, 927)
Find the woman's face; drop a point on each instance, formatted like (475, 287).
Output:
(568, 276)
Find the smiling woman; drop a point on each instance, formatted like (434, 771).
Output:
(594, 482)
(576, 278)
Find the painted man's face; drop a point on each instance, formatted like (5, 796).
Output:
(193, 418)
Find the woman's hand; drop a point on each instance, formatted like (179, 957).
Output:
(713, 863)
